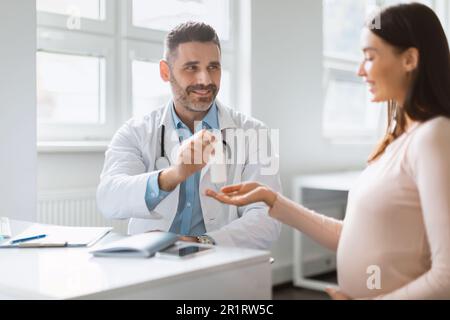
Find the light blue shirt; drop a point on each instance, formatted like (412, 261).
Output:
(189, 217)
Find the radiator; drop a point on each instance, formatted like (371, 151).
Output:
(74, 208)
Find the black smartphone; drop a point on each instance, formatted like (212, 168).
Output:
(177, 251)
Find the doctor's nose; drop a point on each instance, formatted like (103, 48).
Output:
(204, 78)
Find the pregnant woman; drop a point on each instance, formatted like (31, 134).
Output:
(397, 220)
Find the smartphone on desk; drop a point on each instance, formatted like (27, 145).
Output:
(183, 251)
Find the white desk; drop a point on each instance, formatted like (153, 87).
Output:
(74, 273)
(326, 194)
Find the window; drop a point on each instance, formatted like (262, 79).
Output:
(145, 75)
(164, 15)
(98, 61)
(70, 88)
(342, 22)
(348, 115)
(92, 9)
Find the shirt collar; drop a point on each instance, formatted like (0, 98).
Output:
(210, 121)
(211, 118)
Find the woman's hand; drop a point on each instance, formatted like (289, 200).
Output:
(336, 294)
(244, 194)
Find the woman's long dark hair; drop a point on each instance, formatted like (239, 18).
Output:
(415, 25)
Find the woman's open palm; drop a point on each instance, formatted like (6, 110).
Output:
(240, 194)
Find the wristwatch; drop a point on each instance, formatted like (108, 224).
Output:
(205, 239)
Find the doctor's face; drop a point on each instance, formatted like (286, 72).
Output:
(194, 73)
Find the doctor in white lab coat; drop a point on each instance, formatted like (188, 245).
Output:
(192, 66)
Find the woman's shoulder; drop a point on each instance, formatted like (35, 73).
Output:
(430, 137)
(436, 129)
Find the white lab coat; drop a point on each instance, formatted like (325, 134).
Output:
(130, 159)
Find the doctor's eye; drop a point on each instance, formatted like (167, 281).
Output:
(214, 67)
(191, 68)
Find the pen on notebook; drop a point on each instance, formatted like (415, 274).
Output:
(28, 239)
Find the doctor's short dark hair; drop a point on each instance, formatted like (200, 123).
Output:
(189, 32)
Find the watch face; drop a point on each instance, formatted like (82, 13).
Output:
(204, 240)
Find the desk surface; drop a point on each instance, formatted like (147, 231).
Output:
(65, 273)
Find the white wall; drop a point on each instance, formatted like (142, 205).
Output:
(67, 170)
(18, 109)
(286, 72)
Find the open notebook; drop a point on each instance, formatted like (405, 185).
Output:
(60, 235)
(142, 245)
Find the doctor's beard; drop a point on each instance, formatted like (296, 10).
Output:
(184, 98)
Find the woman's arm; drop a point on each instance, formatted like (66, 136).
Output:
(323, 229)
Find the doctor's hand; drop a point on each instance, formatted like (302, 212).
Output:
(193, 155)
(244, 194)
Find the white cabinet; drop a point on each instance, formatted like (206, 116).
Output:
(325, 194)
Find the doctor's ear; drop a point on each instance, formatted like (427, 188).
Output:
(164, 70)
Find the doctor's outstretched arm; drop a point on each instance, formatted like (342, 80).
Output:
(321, 228)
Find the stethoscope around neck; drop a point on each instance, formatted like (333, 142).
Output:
(163, 162)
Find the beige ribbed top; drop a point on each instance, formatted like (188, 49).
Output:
(397, 223)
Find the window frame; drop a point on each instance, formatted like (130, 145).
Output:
(340, 69)
(101, 26)
(130, 31)
(143, 42)
(90, 45)
(343, 64)
(115, 38)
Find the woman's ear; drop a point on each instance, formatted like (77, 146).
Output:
(411, 59)
(164, 70)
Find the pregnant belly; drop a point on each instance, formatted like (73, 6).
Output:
(367, 270)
